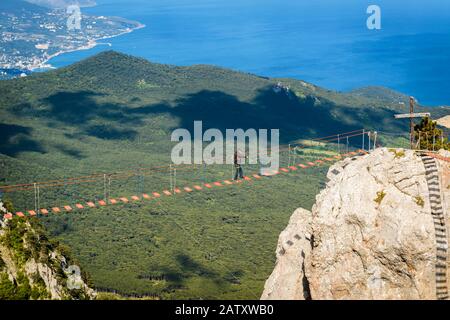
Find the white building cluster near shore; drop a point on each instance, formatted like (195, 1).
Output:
(31, 36)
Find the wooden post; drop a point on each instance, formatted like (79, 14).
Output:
(339, 144)
(347, 145)
(363, 134)
(174, 179)
(109, 186)
(38, 198)
(104, 187)
(411, 122)
(170, 177)
(204, 172)
(232, 170)
(35, 196)
(289, 155)
(374, 140)
(411, 115)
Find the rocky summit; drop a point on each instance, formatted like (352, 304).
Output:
(377, 231)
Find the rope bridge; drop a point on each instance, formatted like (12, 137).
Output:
(174, 172)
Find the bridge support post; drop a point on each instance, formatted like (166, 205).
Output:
(289, 155)
(363, 144)
(203, 171)
(232, 171)
(339, 143)
(375, 140)
(170, 177)
(174, 179)
(347, 145)
(104, 187)
(35, 196)
(109, 186)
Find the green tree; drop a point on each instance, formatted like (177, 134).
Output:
(429, 136)
(8, 205)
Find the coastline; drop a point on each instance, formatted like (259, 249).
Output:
(92, 43)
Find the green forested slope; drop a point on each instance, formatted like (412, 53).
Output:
(115, 112)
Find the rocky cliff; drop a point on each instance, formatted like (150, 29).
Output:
(377, 231)
(34, 267)
(444, 121)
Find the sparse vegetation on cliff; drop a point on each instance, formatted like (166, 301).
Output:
(32, 266)
(420, 201)
(380, 197)
(398, 153)
(429, 136)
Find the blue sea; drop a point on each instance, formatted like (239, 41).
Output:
(325, 42)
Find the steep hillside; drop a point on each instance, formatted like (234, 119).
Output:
(32, 267)
(72, 116)
(114, 112)
(381, 94)
(379, 230)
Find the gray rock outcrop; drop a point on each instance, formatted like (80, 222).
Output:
(370, 235)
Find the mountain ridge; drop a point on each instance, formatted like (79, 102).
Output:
(113, 112)
(122, 61)
(111, 96)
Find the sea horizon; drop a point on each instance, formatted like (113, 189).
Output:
(323, 43)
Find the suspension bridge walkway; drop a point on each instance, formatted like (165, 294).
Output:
(340, 141)
(94, 190)
(187, 189)
(293, 166)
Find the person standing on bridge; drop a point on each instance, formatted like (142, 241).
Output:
(239, 160)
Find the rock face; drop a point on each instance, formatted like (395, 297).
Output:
(294, 245)
(370, 235)
(32, 267)
(444, 121)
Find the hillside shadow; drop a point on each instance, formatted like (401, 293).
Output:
(187, 267)
(296, 118)
(77, 108)
(191, 267)
(15, 139)
(110, 133)
(74, 153)
(72, 107)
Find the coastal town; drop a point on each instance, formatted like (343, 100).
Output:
(31, 35)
